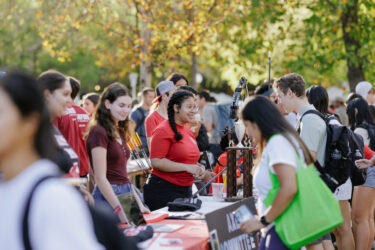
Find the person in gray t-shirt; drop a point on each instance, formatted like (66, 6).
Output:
(290, 91)
(211, 121)
(211, 117)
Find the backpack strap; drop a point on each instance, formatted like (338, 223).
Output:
(311, 111)
(25, 220)
(316, 112)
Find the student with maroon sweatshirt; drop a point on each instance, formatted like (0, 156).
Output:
(73, 125)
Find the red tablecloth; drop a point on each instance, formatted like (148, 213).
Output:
(193, 235)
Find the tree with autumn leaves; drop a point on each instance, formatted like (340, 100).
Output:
(124, 35)
(327, 41)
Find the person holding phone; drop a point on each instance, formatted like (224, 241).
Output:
(279, 145)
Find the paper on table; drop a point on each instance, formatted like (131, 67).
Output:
(165, 228)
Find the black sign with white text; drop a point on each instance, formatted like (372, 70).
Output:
(225, 233)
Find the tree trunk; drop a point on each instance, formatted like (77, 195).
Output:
(194, 70)
(349, 22)
(146, 74)
(145, 67)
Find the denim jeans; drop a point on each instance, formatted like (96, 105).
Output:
(118, 189)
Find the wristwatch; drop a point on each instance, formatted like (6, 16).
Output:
(264, 221)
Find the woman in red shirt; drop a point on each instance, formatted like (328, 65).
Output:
(174, 154)
(107, 149)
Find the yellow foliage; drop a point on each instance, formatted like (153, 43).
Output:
(61, 59)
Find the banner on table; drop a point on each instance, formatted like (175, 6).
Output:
(225, 233)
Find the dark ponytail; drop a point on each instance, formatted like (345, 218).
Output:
(177, 99)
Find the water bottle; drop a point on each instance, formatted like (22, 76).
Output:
(336, 154)
(358, 154)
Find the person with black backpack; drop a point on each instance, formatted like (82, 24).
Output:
(360, 122)
(140, 112)
(290, 92)
(318, 96)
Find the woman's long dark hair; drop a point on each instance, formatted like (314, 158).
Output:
(176, 99)
(27, 96)
(318, 96)
(359, 116)
(265, 114)
(102, 115)
(363, 115)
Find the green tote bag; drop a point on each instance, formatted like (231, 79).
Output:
(313, 212)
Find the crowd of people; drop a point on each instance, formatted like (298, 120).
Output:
(49, 134)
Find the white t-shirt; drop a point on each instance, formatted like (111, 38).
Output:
(278, 150)
(313, 133)
(291, 118)
(364, 133)
(58, 217)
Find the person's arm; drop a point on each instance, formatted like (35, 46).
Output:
(99, 161)
(167, 165)
(313, 155)
(208, 126)
(364, 163)
(288, 189)
(369, 160)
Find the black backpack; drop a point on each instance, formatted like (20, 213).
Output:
(343, 147)
(105, 226)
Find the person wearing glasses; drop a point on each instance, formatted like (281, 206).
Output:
(174, 154)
